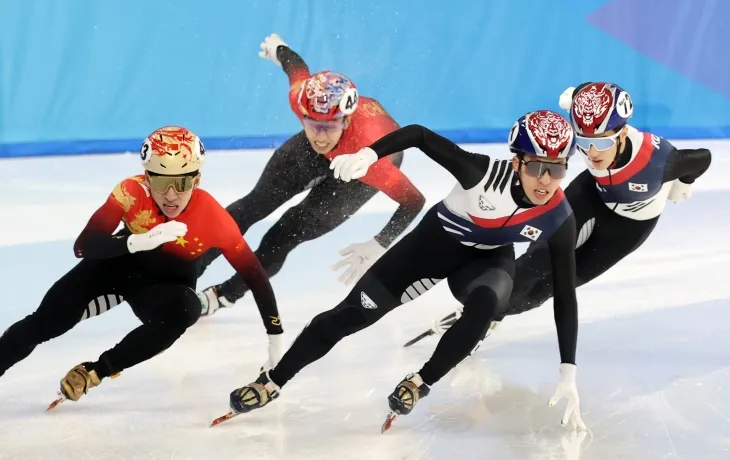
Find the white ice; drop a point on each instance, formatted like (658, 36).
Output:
(654, 360)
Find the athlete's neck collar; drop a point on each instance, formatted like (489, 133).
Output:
(623, 157)
(518, 193)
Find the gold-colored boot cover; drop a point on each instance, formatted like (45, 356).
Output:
(78, 382)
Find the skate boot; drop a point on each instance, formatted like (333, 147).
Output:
(404, 398)
(407, 393)
(211, 301)
(79, 381)
(254, 395)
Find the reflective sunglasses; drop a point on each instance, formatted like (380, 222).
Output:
(323, 126)
(183, 183)
(538, 168)
(600, 143)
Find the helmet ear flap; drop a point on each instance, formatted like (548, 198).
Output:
(349, 101)
(327, 96)
(513, 133)
(201, 152)
(624, 105)
(145, 153)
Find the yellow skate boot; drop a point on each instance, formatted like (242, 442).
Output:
(79, 381)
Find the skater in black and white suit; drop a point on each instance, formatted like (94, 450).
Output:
(466, 239)
(617, 200)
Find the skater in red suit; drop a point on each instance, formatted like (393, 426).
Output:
(152, 265)
(336, 120)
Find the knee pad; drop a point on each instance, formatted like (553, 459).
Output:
(481, 305)
(494, 285)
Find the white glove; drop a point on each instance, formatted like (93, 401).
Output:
(567, 389)
(269, 46)
(160, 234)
(360, 257)
(353, 166)
(276, 351)
(566, 99)
(210, 302)
(680, 191)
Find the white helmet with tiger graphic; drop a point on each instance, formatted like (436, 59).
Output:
(172, 151)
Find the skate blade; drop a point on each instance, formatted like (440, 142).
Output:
(223, 418)
(61, 398)
(388, 422)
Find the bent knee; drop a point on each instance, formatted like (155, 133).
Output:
(488, 295)
(190, 308)
(481, 305)
(180, 310)
(495, 284)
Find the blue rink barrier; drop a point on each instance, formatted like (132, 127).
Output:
(463, 136)
(79, 77)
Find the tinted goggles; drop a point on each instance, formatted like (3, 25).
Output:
(600, 143)
(181, 184)
(323, 126)
(538, 168)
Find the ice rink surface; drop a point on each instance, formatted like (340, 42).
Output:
(654, 356)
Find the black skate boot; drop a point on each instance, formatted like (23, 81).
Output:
(404, 398)
(254, 395)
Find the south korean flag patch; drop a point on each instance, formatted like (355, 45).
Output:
(638, 187)
(531, 232)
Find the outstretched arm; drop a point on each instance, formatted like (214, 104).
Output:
(562, 255)
(687, 165)
(293, 64)
(466, 167)
(276, 50)
(243, 259)
(391, 180)
(239, 254)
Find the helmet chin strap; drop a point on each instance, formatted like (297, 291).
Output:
(518, 188)
(620, 150)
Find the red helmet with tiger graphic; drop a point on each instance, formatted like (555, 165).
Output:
(597, 108)
(327, 96)
(543, 133)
